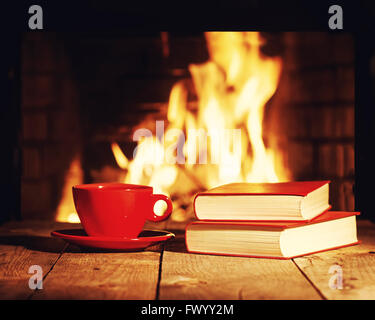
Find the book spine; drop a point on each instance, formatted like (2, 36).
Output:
(194, 210)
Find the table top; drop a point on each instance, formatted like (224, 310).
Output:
(167, 271)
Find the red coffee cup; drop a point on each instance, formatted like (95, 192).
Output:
(117, 209)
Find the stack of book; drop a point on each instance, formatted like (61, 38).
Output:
(269, 220)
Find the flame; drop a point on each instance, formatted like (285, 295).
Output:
(66, 211)
(223, 136)
(121, 159)
(232, 87)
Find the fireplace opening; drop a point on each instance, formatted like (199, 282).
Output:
(84, 98)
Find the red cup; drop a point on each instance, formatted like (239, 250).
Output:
(117, 209)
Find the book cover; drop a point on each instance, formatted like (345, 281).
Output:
(286, 201)
(294, 188)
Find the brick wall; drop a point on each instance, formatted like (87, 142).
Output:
(316, 102)
(50, 131)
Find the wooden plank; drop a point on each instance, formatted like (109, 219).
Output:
(83, 275)
(195, 276)
(15, 262)
(76, 274)
(103, 276)
(357, 265)
(22, 246)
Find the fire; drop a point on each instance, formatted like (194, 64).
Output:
(232, 87)
(66, 211)
(121, 159)
(222, 138)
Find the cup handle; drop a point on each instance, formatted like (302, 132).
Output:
(167, 213)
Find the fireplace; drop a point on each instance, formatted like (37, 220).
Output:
(84, 95)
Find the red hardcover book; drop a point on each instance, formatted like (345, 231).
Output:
(286, 201)
(280, 240)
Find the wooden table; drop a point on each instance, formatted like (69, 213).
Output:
(169, 272)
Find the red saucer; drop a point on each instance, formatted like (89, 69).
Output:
(145, 239)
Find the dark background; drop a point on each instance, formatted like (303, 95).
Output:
(141, 16)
